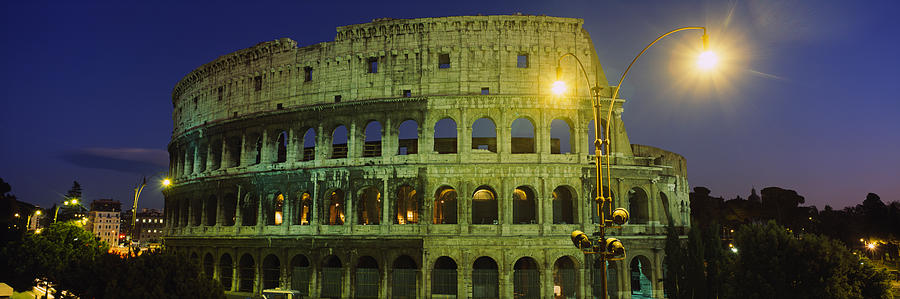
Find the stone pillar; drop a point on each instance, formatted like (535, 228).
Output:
(235, 280)
(244, 157)
(209, 154)
(260, 214)
(291, 146)
(354, 144)
(238, 214)
(547, 282)
(582, 284)
(384, 291)
(346, 285)
(265, 153)
(387, 202)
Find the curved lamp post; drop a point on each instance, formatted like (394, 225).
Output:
(611, 248)
(72, 202)
(165, 182)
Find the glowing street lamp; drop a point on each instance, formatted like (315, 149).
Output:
(611, 248)
(72, 202)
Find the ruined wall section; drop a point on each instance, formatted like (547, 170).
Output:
(274, 75)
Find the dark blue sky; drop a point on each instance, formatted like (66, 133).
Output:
(808, 101)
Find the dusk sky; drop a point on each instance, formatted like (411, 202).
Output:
(808, 98)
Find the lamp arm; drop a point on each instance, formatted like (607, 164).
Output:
(583, 71)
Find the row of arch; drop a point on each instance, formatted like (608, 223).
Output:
(257, 148)
(406, 206)
(404, 278)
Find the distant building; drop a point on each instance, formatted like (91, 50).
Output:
(103, 220)
(148, 226)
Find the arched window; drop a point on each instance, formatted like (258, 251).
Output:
(276, 216)
(196, 211)
(524, 206)
(209, 265)
(367, 278)
(445, 205)
(445, 136)
(484, 206)
(408, 138)
(406, 206)
(522, 136)
(372, 145)
(563, 205)
(215, 155)
(565, 278)
(249, 209)
(526, 279)
(210, 207)
(639, 212)
(303, 213)
(271, 272)
(246, 273)
(308, 146)
(281, 147)
(339, 142)
(233, 150)
(612, 278)
(403, 278)
(225, 271)
(334, 212)
(369, 206)
(484, 135)
(443, 277)
(332, 277)
(300, 271)
(641, 277)
(560, 137)
(485, 278)
(229, 208)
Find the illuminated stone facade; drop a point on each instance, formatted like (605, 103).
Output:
(410, 158)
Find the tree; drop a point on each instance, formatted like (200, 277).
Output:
(772, 263)
(75, 191)
(151, 275)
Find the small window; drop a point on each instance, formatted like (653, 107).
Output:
(373, 64)
(195, 103)
(307, 74)
(235, 114)
(444, 61)
(522, 61)
(485, 91)
(337, 98)
(279, 106)
(221, 92)
(407, 93)
(257, 83)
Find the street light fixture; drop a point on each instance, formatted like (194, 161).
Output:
(611, 248)
(72, 202)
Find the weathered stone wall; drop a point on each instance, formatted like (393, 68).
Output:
(258, 174)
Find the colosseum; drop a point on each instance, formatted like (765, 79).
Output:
(412, 158)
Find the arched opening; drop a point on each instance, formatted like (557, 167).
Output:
(612, 279)
(339, 142)
(308, 145)
(369, 206)
(638, 206)
(303, 212)
(372, 138)
(595, 207)
(271, 272)
(281, 147)
(641, 278)
(229, 208)
(196, 211)
(560, 137)
(188, 161)
(215, 154)
(332, 277)
(334, 213)
(407, 206)
(209, 265)
(526, 279)
(565, 278)
(665, 205)
(403, 278)
(563, 205)
(300, 271)
(443, 277)
(226, 271)
(522, 136)
(195, 259)
(276, 216)
(524, 206)
(233, 151)
(210, 206)
(484, 135)
(246, 273)
(445, 205)
(484, 206)
(445, 136)
(367, 277)
(186, 212)
(408, 138)
(485, 278)
(249, 209)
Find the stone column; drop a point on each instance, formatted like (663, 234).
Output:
(244, 157)
(265, 155)
(354, 144)
(238, 214)
(547, 282)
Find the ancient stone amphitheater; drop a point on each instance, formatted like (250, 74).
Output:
(411, 158)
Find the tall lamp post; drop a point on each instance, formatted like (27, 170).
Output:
(610, 248)
(137, 194)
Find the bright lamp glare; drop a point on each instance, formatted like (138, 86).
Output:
(559, 87)
(707, 60)
(871, 245)
(166, 182)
